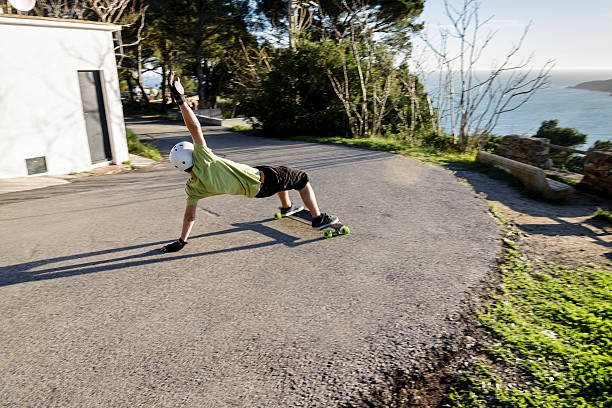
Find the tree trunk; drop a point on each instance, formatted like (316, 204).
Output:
(140, 82)
(291, 17)
(164, 108)
(200, 77)
(130, 87)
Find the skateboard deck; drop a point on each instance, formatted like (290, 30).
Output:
(305, 217)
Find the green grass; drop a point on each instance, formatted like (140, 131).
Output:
(551, 340)
(602, 215)
(129, 163)
(240, 128)
(135, 146)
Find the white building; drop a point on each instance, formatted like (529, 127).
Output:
(60, 105)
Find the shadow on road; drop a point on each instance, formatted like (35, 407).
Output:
(20, 273)
(569, 218)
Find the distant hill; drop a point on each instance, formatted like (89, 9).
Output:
(604, 86)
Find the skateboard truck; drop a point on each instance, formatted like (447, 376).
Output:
(305, 217)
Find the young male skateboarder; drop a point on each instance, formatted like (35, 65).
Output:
(212, 175)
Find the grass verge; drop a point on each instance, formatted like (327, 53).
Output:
(136, 146)
(550, 340)
(546, 338)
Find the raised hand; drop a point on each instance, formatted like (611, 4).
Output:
(176, 89)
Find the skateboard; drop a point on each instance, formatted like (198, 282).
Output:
(305, 217)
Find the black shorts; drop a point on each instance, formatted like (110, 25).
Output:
(280, 178)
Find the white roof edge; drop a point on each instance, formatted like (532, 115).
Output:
(58, 23)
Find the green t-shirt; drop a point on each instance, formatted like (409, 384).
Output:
(215, 175)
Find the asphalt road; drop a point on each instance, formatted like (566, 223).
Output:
(253, 312)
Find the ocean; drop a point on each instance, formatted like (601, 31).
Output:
(590, 112)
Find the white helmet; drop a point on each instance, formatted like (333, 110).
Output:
(181, 155)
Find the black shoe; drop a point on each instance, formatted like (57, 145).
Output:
(291, 210)
(323, 221)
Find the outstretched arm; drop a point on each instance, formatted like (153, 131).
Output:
(192, 123)
(188, 221)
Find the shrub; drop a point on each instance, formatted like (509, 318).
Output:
(601, 145)
(490, 142)
(562, 136)
(441, 142)
(296, 96)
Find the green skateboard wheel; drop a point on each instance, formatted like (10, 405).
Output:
(345, 230)
(328, 234)
(278, 216)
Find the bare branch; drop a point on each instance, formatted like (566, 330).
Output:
(471, 105)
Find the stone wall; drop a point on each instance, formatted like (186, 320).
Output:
(525, 149)
(598, 171)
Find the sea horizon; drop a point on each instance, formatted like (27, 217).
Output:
(589, 112)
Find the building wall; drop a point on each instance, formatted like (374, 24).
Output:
(41, 111)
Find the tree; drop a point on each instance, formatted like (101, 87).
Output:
(295, 17)
(204, 28)
(73, 9)
(561, 136)
(367, 75)
(470, 104)
(249, 65)
(167, 51)
(412, 106)
(294, 96)
(340, 42)
(133, 31)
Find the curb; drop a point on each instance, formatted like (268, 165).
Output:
(11, 185)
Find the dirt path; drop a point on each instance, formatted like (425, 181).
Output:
(556, 232)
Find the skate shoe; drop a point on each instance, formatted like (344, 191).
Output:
(323, 221)
(291, 210)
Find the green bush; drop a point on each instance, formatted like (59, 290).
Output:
(296, 96)
(441, 142)
(491, 142)
(562, 136)
(601, 145)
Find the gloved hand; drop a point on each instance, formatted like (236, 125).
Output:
(175, 246)
(176, 89)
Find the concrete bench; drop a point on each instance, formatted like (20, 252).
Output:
(532, 177)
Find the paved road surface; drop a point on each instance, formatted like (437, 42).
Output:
(253, 312)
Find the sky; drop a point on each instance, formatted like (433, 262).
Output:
(577, 34)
